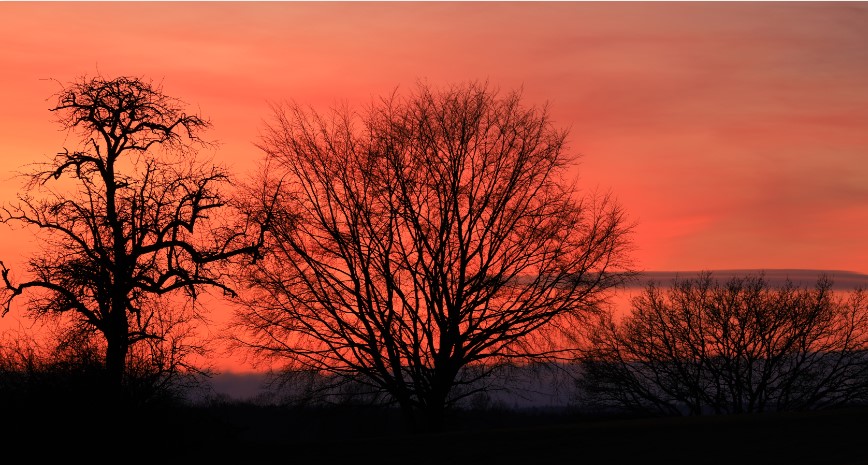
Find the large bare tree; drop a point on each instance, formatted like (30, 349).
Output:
(743, 345)
(425, 240)
(128, 219)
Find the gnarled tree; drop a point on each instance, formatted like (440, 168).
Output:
(424, 241)
(133, 219)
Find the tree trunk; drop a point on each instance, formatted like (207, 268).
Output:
(434, 415)
(117, 346)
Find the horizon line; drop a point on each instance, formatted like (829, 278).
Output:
(757, 270)
(840, 278)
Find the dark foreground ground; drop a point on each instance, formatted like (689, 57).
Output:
(247, 434)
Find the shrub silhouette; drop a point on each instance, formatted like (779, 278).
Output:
(702, 346)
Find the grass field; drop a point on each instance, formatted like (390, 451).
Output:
(826, 437)
(247, 434)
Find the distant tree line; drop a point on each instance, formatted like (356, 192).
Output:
(404, 254)
(705, 346)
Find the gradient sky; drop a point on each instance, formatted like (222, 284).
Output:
(735, 134)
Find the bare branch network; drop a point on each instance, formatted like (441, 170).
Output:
(135, 217)
(427, 235)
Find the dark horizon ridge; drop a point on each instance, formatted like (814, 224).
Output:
(840, 278)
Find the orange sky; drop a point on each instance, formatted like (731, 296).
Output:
(735, 133)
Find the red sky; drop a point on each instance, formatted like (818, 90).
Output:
(734, 133)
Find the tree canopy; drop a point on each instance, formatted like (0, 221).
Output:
(127, 218)
(422, 241)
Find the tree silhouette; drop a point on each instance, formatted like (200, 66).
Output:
(421, 243)
(703, 346)
(133, 220)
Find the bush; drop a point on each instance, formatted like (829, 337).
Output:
(702, 346)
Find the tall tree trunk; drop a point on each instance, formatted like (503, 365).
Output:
(117, 346)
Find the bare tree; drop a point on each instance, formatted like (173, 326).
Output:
(424, 241)
(703, 346)
(134, 219)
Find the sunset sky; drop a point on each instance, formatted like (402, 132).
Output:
(735, 134)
